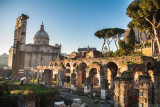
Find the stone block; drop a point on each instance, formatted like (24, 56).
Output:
(77, 101)
(23, 80)
(48, 74)
(103, 93)
(87, 89)
(73, 87)
(59, 104)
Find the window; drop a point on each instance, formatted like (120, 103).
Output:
(44, 42)
(118, 98)
(142, 93)
(38, 41)
(145, 100)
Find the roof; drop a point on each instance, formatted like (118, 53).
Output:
(85, 49)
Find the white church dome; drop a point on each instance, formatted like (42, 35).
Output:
(41, 37)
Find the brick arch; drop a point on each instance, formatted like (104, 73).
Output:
(110, 72)
(113, 68)
(138, 68)
(94, 65)
(94, 74)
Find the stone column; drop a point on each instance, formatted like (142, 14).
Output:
(123, 93)
(14, 54)
(48, 74)
(79, 78)
(73, 81)
(117, 92)
(104, 87)
(145, 91)
(61, 77)
(17, 53)
(59, 104)
(23, 24)
(87, 85)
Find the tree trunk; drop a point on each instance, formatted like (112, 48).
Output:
(152, 47)
(157, 37)
(108, 46)
(103, 45)
(115, 43)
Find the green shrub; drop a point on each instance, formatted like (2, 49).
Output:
(128, 63)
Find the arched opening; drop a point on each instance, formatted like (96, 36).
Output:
(68, 65)
(67, 75)
(67, 68)
(149, 66)
(81, 74)
(136, 78)
(74, 65)
(94, 77)
(61, 63)
(112, 70)
(151, 74)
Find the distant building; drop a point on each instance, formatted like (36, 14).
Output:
(82, 50)
(139, 36)
(40, 52)
(10, 57)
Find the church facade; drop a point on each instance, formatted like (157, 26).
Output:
(40, 53)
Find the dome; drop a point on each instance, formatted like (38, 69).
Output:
(41, 37)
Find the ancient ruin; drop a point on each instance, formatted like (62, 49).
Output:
(122, 78)
(19, 46)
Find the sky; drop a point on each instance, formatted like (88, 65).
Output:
(71, 23)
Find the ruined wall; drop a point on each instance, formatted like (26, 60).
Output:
(19, 46)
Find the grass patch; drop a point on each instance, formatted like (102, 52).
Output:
(128, 63)
(37, 89)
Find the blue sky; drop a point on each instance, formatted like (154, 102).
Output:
(69, 22)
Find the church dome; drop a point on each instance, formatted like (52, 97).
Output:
(41, 37)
